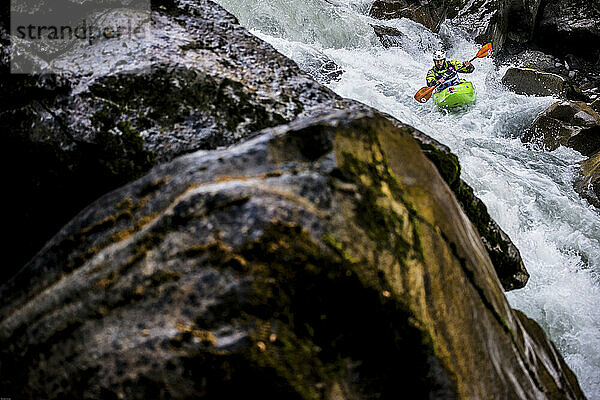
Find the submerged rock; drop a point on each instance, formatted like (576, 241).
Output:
(571, 124)
(322, 259)
(430, 14)
(388, 36)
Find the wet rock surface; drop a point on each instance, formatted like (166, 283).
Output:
(505, 256)
(388, 36)
(92, 124)
(533, 82)
(76, 137)
(430, 14)
(581, 76)
(571, 124)
(559, 37)
(485, 20)
(322, 259)
(575, 125)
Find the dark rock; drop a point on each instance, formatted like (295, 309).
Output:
(91, 124)
(581, 78)
(566, 29)
(571, 124)
(388, 36)
(570, 27)
(485, 20)
(430, 14)
(72, 148)
(521, 20)
(532, 82)
(506, 24)
(323, 259)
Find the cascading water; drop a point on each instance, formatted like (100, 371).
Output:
(528, 191)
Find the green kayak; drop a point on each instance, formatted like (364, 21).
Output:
(454, 96)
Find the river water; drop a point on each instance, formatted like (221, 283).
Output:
(527, 190)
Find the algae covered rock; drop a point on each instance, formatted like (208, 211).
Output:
(322, 259)
(505, 256)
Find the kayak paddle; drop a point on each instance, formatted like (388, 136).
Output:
(483, 52)
(424, 94)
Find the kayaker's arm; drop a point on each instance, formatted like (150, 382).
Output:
(430, 78)
(465, 67)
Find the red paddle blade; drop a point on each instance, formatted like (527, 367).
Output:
(484, 51)
(424, 94)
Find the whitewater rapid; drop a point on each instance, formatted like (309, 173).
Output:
(528, 191)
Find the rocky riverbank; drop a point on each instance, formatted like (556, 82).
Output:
(303, 246)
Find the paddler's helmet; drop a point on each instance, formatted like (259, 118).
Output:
(439, 56)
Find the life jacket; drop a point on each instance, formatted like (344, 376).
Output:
(449, 73)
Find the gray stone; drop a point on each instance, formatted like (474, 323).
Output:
(535, 83)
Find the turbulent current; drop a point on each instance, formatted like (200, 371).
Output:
(527, 190)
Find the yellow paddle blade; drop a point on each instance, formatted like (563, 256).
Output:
(484, 51)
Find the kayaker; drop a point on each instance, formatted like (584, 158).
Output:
(445, 72)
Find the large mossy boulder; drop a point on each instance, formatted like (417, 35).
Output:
(570, 124)
(74, 137)
(86, 125)
(325, 259)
